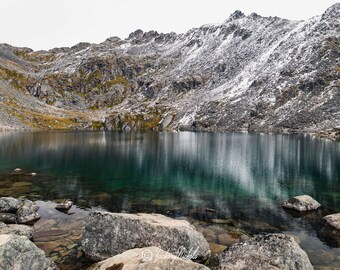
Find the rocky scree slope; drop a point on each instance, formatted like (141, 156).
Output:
(247, 73)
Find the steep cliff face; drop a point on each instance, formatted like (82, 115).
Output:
(247, 73)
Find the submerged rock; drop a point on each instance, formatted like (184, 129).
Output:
(301, 203)
(333, 220)
(216, 248)
(272, 251)
(109, 234)
(151, 258)
(66, 205)
(17, 252)
(22, 230)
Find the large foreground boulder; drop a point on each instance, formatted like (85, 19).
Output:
(301, 203)
(108, 234)
(151, 258)
(17, 252)
(272, 251)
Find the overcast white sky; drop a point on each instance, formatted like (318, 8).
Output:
(45, 24)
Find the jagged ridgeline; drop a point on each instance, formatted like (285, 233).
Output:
(247, 73)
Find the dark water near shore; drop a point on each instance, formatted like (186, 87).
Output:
(238, 178)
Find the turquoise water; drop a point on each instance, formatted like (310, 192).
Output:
(245, 177)
(246, 171)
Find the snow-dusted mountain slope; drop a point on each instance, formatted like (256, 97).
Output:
(247, 73)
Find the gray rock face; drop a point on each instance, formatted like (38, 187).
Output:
(17, 252)
(151, 258)
(21, 230)
(8, 217)
(246, 73)
(9, 204)
(109, 234)
(272, 251)
(301, 203)
(333, 220)
(27, 212)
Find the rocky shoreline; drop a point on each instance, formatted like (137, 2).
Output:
(150, 241)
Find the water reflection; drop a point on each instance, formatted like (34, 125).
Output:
(241, 176)
(231, 168)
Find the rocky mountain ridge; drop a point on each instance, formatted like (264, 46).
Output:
(249, 73)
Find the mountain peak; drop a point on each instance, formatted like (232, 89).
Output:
(332, 11)
(236, 15)
(136, 34)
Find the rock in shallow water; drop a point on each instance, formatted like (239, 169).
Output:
(17, 252)
(271, 251)
(333, 220)
(109, 234)
(302, 203)
(151, 258)
(66, 205)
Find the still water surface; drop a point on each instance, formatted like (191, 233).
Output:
(241, 177)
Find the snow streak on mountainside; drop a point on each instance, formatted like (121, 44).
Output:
(247, 73)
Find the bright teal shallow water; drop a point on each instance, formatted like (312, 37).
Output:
(242, 176)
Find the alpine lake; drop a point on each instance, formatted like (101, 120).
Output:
(230, 186)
